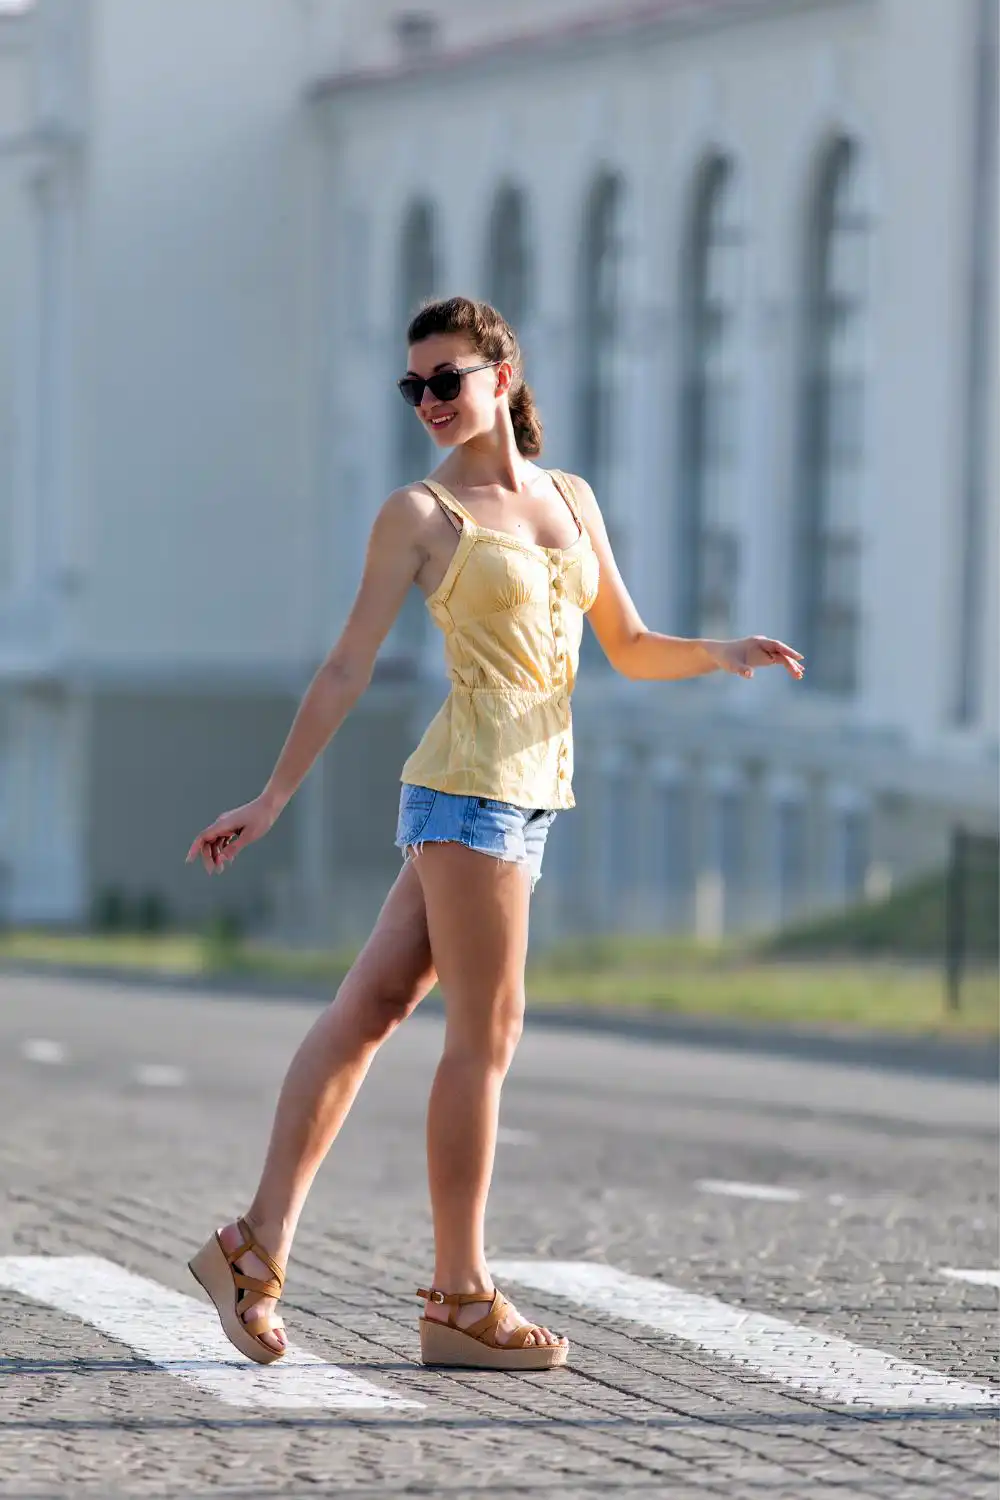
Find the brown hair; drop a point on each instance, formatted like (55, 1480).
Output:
(494, 338)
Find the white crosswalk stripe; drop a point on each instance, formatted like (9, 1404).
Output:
(182, 1336)
(801, 1358)
(39, 1049)
(977, 1278)
(160, 1076)
(764, 1191)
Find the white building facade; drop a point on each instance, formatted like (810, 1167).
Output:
(750, 248)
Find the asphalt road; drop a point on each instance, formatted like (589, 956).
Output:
(724, 1184)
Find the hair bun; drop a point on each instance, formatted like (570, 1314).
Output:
(525, 420)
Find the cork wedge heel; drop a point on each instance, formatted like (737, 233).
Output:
(476, 1347)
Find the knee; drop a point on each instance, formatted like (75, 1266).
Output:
(377, 1012)
(490, 1045)
(505, 1040)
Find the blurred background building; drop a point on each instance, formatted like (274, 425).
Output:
(750, 246)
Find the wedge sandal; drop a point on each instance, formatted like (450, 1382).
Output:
(476, 1347)
(214, 1269)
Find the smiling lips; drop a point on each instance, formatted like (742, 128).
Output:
(438, 422)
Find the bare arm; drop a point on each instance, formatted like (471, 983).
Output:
(640, 653)
(393, 559)
(630, 647)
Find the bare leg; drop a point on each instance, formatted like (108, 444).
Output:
(387, 981)
(477, 917)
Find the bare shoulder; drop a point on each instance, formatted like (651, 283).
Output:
(410, 502)
(580, 487)
(404, 514)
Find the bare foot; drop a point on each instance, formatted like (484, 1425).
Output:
(471, 1312)
(250, 1301)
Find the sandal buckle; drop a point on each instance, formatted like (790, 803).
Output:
(435, 1296)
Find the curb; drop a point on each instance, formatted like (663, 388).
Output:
(963, 1058)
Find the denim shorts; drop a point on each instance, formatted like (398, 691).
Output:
(515, 835)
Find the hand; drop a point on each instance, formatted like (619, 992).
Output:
(219, 844)
(740, 657)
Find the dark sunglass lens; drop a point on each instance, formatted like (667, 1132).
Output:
(411, 389)
(445, 385)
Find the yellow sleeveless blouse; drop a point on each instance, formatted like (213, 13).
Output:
(512, 616)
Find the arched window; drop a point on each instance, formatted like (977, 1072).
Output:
(508, 266)
(599, 323)
(828, 564)
(708, 557)
(600, 318)
(416, 279)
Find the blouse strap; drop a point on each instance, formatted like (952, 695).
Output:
(564, 485)
(447, 499)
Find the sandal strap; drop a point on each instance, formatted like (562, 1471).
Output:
(251, 1243)
(520, 1336)
(254, 1284)
(453, 1299)
(258, 1249)
(259, 1323)
(485, 1329)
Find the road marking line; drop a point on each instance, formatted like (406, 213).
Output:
(160, 1075)
(802, 1358)
(760, 1190)
(39, 1050)
(978, 1278)
(509, 1137)
(183, 1337)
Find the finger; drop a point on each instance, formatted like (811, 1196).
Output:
(198, 847)
(786, 650)
(201, 843)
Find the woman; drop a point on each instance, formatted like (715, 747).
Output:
(510, 557)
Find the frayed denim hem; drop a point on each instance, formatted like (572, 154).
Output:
(410, 851)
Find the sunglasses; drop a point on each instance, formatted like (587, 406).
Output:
(445, 385)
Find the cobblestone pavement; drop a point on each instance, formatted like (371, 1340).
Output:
(132, 1121)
